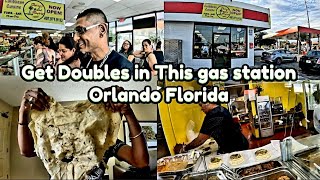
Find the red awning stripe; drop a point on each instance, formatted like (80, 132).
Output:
(196, 8)
(183, 7)
(1, 4)
(308, 30)
(255, 15)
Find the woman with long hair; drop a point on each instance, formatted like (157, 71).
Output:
(127, 50)
(68, 53)
(147, 56)
(44, 55)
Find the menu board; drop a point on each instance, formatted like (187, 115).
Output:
(33, 10)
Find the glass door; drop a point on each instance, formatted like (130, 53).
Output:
(221, 51)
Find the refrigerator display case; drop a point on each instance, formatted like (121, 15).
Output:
(264, 116)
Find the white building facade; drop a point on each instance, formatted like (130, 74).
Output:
(215, 33)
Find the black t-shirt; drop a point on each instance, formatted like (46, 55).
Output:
(159, 56)
(218, 123)
(114, 61)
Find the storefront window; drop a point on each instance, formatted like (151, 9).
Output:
(144, 28)
(238, 42)
(126, 25)
(234, 37)
(160, 27)
(121, 37)
(112, 35)
(202, 42)
(141, 34)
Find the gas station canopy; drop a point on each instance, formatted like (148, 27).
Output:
(298, 29)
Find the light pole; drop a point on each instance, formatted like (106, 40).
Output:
(310, 45)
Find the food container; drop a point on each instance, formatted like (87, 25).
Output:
(178, 164)
(259, 168)
(279, 173)
(168, 177)
(307, 158)
(210, 175)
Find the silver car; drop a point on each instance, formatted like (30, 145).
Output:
(278, 56)
(258, 52)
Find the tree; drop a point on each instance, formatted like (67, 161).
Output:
(259, 41)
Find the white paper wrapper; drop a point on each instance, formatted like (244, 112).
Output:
(296, 146)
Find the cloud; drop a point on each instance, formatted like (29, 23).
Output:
(289, 13)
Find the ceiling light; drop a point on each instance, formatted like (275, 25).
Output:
(69, 24)
(18, 31)
(8, 33)
(58, 32)
(38, 31)
(79, 6)
(117, 0)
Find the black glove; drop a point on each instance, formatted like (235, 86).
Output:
(96, 173)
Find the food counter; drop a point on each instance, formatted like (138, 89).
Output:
(13, 60)
(260, 163)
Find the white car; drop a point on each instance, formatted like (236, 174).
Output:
(258, 52)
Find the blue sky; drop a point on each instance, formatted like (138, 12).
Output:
(289, 13)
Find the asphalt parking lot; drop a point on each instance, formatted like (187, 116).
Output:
(311, 75)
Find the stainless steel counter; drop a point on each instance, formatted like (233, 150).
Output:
(310, 140)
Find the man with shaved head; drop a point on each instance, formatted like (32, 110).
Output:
(91, 34)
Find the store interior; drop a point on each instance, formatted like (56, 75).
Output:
(128, 20)
(266, 111)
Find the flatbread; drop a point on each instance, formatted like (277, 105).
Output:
(262, 154)
(71, 140)
(215, 162)
(236, 159)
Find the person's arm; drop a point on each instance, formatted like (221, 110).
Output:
(152, 60)
(138, 54)
(39, 58)
(137, 155)
(32, 99)
(131, 57)
(25, 139)
(198, 141)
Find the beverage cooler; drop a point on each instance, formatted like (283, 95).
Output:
(264, 116)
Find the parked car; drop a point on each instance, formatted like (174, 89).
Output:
(311, 61)
(258, 52)
(278, 56)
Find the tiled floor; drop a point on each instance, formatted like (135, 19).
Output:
(297, 133)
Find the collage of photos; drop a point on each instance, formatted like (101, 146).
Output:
(87, 126)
